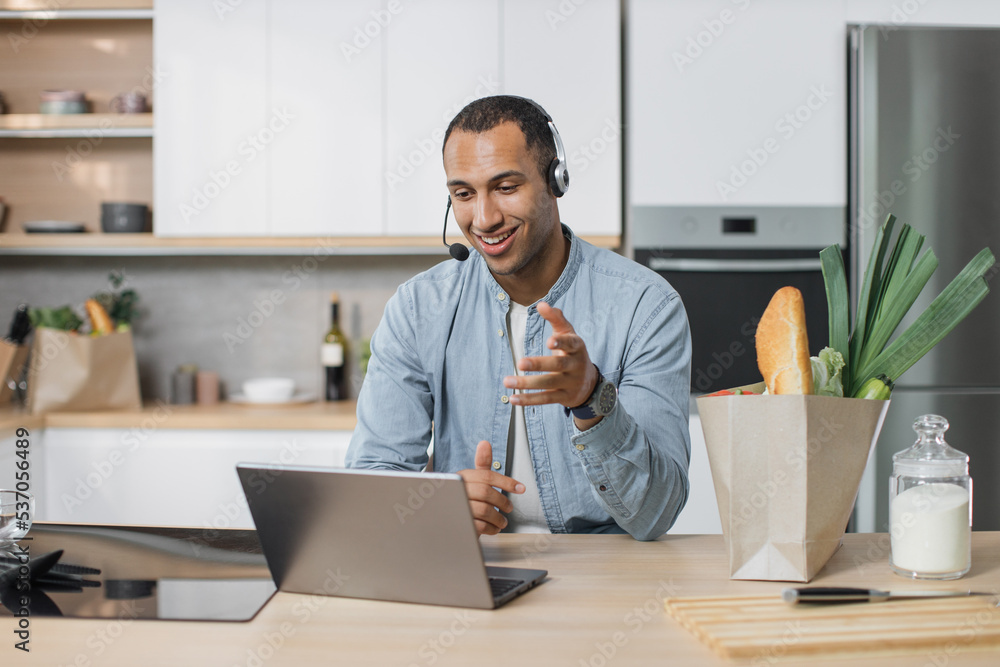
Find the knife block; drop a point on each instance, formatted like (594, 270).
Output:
(12, 360)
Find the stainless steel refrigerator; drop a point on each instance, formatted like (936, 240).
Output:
(925, 146)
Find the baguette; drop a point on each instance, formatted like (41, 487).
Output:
(783, 346)
(99, 320)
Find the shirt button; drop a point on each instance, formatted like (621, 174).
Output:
(602, 487)
(496, 465)
(502, 296)
(505, 399)
(581, 447)
(500, 332)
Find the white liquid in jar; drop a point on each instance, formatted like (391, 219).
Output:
(930, 531)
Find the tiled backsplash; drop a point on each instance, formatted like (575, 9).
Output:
(240, 316)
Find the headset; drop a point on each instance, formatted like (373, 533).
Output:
(558, 171)
(558, 178)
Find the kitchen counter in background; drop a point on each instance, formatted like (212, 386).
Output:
(115, 466)
(338, 416)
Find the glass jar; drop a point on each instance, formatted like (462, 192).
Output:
(930, 506)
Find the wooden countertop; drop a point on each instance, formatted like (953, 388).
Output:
(604, 595)
(319, 415)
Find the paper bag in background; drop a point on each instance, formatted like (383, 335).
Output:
(12, 358)
(786, 471)
(74, 372)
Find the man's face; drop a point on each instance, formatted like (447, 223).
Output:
(502, 203)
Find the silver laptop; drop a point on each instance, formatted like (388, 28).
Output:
(405, 537)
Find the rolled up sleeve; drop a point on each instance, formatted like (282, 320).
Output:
(637, 457)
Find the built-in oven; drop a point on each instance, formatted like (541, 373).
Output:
(726, 263)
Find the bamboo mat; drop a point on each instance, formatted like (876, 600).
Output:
(766, 628)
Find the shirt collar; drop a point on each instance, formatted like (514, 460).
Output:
(563, 284)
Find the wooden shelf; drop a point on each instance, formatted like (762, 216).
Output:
(64, 14)
(148, 244)
(317, 415)
(37, 125)
(76, 9)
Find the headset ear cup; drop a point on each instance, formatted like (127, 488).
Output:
(558, 178)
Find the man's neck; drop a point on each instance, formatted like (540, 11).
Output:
(530, 285)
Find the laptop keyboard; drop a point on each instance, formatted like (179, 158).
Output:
(501, 586)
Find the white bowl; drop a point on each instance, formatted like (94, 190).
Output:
(269, 390)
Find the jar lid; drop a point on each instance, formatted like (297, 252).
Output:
(930, 455)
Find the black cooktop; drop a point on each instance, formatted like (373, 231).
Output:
(133, 572)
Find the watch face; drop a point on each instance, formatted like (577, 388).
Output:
(606, 400)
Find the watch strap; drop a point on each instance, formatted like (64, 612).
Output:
(587, 409)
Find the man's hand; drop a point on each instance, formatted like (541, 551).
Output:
(486, 502)
(568, 377)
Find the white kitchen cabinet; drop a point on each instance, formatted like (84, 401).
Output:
(700, 515)
(213, 124)
(311, 118)
(169, 477)
(566, 56)
(733, 102)
(325, 69)
(441, 55)
(908, 13)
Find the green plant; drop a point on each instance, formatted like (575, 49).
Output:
(893, 281)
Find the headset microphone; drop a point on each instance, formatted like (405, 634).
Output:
(457, 250)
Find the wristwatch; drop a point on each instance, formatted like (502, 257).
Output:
(601, 401)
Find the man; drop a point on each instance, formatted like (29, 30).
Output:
(485, 350)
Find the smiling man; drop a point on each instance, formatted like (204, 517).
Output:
(555, 374)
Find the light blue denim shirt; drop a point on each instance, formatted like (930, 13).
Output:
(439, 357)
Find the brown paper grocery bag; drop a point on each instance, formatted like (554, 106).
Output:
(75, 372)
(786, 471)
(12, 358)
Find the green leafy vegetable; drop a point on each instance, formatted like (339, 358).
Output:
(838, 303)
(63, 318)
(893, 281)
(122, 305)
(826, 372)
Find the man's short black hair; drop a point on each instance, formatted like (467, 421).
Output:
(486, 113)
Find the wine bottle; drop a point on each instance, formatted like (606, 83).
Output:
(20, 325)
(333, 354)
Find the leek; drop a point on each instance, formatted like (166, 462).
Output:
(893, 281)
(837, 303)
